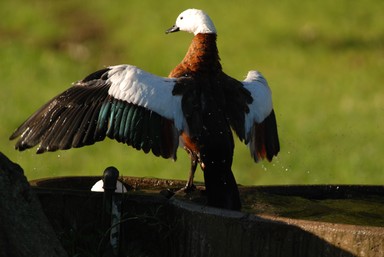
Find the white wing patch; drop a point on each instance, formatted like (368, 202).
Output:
(133, 85)
(261, 106)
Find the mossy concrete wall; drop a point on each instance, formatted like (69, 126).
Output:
(213, 232)
(180, 227)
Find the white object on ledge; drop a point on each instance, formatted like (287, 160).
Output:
(98, 187)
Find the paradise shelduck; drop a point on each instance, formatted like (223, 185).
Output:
(195, 107)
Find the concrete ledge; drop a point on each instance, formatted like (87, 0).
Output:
(214, 232)
(190, 228)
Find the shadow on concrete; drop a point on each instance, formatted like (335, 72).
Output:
(154, 225)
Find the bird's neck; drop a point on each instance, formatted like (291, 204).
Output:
(202, 57)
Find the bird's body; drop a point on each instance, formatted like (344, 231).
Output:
(208, 138)
(198, 104)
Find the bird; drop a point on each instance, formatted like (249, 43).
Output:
(197, 107)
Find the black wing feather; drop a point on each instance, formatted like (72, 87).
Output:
(86, 113)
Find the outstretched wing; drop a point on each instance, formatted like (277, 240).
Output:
(122, 102)
(260, 122)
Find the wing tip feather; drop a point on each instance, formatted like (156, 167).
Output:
(264, 140)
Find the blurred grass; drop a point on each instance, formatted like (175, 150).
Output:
(324, 61)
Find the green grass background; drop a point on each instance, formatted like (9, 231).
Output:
(324, 61)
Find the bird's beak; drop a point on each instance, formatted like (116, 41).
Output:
(174, 28)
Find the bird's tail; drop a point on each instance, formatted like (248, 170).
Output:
(221, 189)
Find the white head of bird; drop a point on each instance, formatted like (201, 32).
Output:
(193, 21)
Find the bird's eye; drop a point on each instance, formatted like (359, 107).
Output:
(181, 17)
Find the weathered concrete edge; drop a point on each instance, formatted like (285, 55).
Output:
(354, 239)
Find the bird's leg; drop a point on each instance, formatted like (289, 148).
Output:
(194, 161)
(190, 186)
